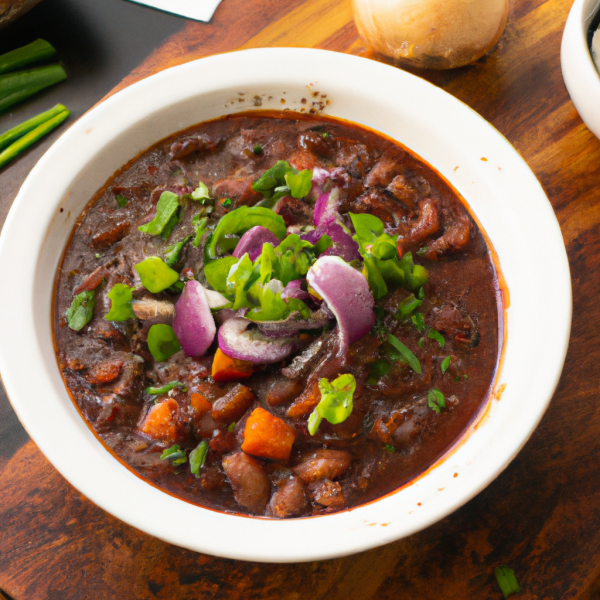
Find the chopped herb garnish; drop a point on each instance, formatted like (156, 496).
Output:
(97, 255)
(162, 342)
(456, 379)
(174, 455)
(436, 400)
(336, 402)
(198, 457)
(420, 342)
(421, 294)
(176, 218)
(80, 313)
(445, 364)
(120, 309)
(390, 448)
(384, 247)
(257, 149)
(422, 251)
(166, 209)
(435, 335)
(299, 183)
(419, 322)
(407, 306)
(121, 200)
(201, 193)
(231, 427)
(199, 225)
(378, 370)
(507, 581)
(173, 252)
(156, 391)
(226, 202)
(283, 180)
(155, 274)
(326, 134)
(466, 377)
(407, 355)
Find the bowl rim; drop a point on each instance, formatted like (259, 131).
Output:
(319, 538)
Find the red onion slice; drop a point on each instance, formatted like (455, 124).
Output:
(326, 208)
(347, 294)
(293, 324)
(238, 341)
(252, 242)
(193, 322)
(215, 299)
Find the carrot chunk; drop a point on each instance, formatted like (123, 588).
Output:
(160, 422)
(226, 369)
(200, 404)
(268, 436)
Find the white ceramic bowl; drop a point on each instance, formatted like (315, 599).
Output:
(502, 191)
(578, 69)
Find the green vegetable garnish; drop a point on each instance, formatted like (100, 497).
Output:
(239, 280)
(407, 306)
(390, 448)
(384, 247)
(507, 581)
(445, 364)
(257, 149)
(166, 209)
(80, 313)
(299, 183)
(216, 272)
(162, 342)
(121, 200)
(155, 391)
(120, 308)
(30, 138)
(231, 427)
(407, 355)
(226, 202)
(201, 193)
(423, 251)
(20, 130)
(322, 244)
(155, 274)
(240, 220)
(419, 322)
(435, 400)
(378, 370)
(326, 134)
(97, 255)
(174, 455)
(173, 252)
(336, 402)
(198, 457)
(26, 55)
(420, 342)
(437, 336)
(466, 377)
(199, 225)
(283, 180)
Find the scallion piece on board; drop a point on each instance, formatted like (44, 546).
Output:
(27, 55)
(507, 581)
(30, 138)
(18, 131)
(17, 86)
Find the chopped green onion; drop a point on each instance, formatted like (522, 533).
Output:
(201, 192)
(172, 253)
(199, 225)
(174, 455)
(121, 200)
(97, 255)
(445, 364)
(162, 342)
(18, 131)
(30, 138)
(407, 355)
(326, 134)
(26, 55)
(17, 86)
(378, 370)
(198, 457)
(421, 294)
(226, 202)
(390, 448)
(422, 251)
(436, 400)
(407, 306)
(336, 402)
(466, 377)
(420, 342)
(120, 308)
(257, 149)
(435, 335)
(507, 581)
(419, 276)
(231, 427)
(81, 310)
(155, 391)
(419, 322)
(384, 247)
(155, 274)
(166, 209)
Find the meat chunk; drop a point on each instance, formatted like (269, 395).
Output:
(109, 233)
(323, 464)
(426, 225)
(282, 392)
(233, 405)
(327, 493)
(238, 190)
(385, 169)
(378, 203)
(104, 372)
(187, 146)
(405, 191)
(457, 231)
(453, 322)
(249, 482)
(314, 142)
(294, 211)
(92, 281)
(289, 500)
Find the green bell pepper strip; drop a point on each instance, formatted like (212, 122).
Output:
(162, 342)
(336, 402)
(120, 308)
(80, 313)
(155, 274)
(166, 209)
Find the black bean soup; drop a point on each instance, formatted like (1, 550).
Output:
(277, 314)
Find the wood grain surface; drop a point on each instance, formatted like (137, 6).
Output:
(541, 516)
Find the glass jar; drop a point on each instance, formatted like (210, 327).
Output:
(431, 34)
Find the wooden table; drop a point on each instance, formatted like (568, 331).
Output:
(541, 516)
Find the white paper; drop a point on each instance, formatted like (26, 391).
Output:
(198, 10)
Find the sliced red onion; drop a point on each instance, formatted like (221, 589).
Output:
(347, 294)
(326, 208)
(343, 244)
(215, 299)
(193, 322)
(338, 175)
(252, 242)
(226, 314)
(293, 324)
(294, 290)
(238, 340)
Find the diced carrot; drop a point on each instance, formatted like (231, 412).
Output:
(226, 369)
(268, 436)
(200, 404)
(160, 422)
(104, 372)
(306, 402)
